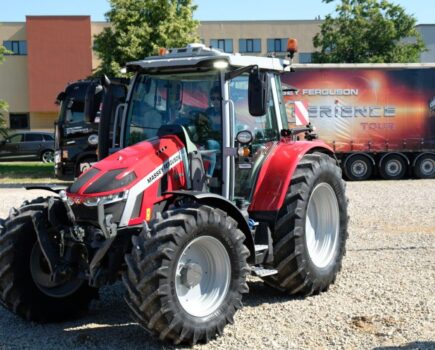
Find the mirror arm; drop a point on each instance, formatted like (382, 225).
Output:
(235, 73)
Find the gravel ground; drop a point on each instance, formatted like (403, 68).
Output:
(383, 298)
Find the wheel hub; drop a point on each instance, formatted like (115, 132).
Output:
(191, 274)
(203, 276)
(359, 168)
(322, 225)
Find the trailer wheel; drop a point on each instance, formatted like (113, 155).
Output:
(311, 230)
(25, 286)
(424, 167)
(358, 167)
(393, 167)
(186, 276)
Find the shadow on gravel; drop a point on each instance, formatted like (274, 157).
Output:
(416, 345)
(260, 293)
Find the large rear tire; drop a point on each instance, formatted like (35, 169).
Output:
(311, 229)
(186, 277)
(25, 288)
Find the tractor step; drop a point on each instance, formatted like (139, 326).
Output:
(262, 272)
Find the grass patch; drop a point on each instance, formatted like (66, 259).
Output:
(27, 172)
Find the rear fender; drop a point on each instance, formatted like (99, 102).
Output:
(276, 173)
(216, 201)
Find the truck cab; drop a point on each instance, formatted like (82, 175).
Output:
(76, 136)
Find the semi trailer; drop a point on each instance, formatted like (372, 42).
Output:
(378, 118)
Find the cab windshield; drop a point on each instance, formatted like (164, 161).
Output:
(191, 99)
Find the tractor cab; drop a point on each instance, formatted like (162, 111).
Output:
(230, 109)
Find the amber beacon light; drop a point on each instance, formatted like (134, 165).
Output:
(292, 47)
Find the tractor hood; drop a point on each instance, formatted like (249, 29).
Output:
(143, 163)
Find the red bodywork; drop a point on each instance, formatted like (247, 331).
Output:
(146, 160)
(277, 171)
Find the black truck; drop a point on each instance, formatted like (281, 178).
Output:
(77, 127)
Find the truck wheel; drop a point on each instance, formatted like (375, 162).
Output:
(358, 168)
(393, 167)
(311, 229)
(186, 276)
(25, 286)
(47, 156)
(424, 168)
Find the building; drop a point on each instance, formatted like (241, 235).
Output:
(50, 51)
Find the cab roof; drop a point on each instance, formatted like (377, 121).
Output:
(198, 55)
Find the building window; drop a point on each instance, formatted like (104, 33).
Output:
(17, 47)
(277, 45)
(305, 57)
(250, 45)
(226, 45)
(19, 121)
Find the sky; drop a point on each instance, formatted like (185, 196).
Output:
(211, 10)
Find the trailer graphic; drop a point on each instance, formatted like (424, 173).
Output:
(378, 118)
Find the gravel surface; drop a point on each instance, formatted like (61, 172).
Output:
(383, 298)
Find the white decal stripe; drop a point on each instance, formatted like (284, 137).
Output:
(146, 182)
(301, 113)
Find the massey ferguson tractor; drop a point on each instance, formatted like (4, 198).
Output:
(205, 185)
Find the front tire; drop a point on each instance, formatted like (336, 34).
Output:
(25, 288)
(186, 277)
(311, 230)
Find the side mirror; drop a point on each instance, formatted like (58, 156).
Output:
(93, 99)
(60, 98)
(258, 93)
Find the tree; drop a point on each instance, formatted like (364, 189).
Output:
(140, 27)
(368, 31)
(3, 104)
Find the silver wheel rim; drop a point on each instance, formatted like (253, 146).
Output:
(322, 225)
(207, 264)
(427, 166)
(359, 168)
(393, 167)
(48, 157)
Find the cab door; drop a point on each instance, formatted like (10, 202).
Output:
(265, 131)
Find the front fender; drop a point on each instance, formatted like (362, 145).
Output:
(217, 201)
(276, 173)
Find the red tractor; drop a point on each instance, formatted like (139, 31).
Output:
(207, 186)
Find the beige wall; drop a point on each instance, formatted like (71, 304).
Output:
(303, 31)
(13, 71)
(43, 121)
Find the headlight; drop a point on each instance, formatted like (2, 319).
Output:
(93, 139)
(95, 201)
(112, 198)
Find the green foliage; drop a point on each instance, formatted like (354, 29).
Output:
(3, 104)
(140, 27)
(368, 31)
